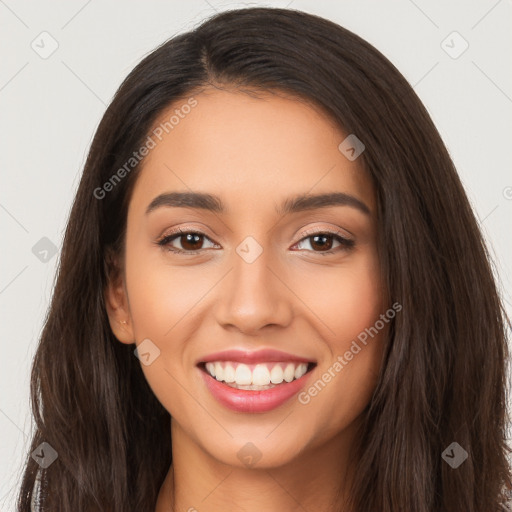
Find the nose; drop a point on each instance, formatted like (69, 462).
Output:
(254, 295)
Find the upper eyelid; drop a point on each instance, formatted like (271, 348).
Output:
(331, 231)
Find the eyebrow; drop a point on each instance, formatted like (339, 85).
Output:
(296, 204)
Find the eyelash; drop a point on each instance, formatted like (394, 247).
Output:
(346, 243)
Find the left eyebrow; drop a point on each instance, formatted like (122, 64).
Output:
(294, 204)
(311, 202)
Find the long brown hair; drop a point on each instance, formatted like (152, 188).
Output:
(443, 377)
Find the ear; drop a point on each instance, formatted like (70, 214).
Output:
(116, 301)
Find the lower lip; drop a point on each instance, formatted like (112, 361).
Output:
(250, 400)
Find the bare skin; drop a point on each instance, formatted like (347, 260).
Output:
(296, 297)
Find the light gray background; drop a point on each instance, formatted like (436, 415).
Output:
(50, 108)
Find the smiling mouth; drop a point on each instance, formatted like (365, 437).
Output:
(256, 377)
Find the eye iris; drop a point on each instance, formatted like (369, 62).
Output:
(323, 244)
(191, 238)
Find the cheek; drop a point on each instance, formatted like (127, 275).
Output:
(165, 301)
(347, 299)
(162, 296)
(349, 303)
(158, 298)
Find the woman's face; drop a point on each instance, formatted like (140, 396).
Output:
(276, 280)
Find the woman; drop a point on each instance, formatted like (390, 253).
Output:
(269, 217)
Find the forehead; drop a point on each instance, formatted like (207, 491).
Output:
(252, 151)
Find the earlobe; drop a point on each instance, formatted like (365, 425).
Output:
(116, 303)
(124, 332)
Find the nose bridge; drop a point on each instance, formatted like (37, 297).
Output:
(253, 297)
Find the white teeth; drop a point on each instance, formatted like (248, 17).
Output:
(219, 372)
(229, 373)
(276, 375)
(300, 370)
(289, 373)
(263, 375)
(251, 387)
(243, 374)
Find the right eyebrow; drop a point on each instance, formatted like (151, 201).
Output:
(187, 200)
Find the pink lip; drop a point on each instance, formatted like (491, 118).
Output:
(248, 400)
(253, 401)
(254, 356)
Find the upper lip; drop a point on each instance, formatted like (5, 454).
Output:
(253, 356)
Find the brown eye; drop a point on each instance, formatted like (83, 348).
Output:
(190, 241)
(322, 242)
